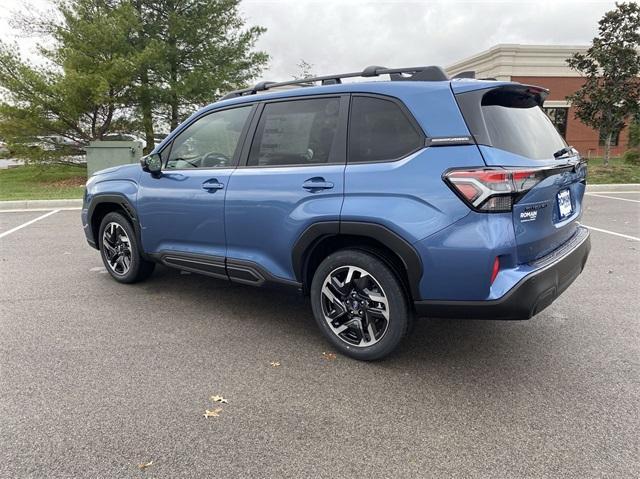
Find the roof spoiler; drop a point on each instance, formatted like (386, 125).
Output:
(466, 74)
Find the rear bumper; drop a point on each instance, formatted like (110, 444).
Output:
(530, 295)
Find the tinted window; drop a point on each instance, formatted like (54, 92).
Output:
(296, 132)
(517, 124)
(379, 130)
(210, 142)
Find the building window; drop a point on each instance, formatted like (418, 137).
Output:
(614, 138)
(558, 116)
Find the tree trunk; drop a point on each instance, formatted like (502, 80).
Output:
(173, 60)
(607, 148)
(174, 112)
(173, 96)
(145, 100)
(146, 110)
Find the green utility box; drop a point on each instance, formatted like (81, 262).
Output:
(105, 154)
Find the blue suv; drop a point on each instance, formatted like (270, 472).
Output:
(419, 195)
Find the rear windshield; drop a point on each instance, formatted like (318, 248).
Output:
(517, 124)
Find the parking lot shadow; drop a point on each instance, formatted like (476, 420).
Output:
(460, 344)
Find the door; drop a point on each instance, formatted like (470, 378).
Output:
(292, 177)
(182, 209)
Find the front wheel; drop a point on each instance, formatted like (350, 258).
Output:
(359, 304)
(120, 251)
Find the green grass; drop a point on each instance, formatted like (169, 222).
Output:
(617, 172)
(45, 182)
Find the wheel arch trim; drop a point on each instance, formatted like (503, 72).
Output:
(315, 233)
(122, 201)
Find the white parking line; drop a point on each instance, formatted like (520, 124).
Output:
(612, 197)
(612, 233)
(13, 230)
(28, 210)
(630, 192)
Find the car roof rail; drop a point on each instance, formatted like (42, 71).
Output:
(426, 73)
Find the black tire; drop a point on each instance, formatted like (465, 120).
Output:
(399, 316)
(138, 268)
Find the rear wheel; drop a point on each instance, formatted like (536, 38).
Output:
(359, 304)
(120, 251)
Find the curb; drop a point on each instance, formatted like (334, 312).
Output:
(613, 187)
(40, 204)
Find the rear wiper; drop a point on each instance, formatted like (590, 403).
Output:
(564, 151)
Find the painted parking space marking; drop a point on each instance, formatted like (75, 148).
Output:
(630, 192)
(35, 210)
(23, 225)
(612, 233)
(612, 197)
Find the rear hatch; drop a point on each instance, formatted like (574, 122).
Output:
(547, 176)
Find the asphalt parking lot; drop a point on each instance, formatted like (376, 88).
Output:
(97, 377)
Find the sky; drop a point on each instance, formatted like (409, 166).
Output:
(340, 36)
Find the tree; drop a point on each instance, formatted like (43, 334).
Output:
(305, 70)
(77, 94)
(203, 50)
(611, 91)
(118, 65)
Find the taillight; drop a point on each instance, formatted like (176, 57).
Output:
(495, 269)
(492, 190)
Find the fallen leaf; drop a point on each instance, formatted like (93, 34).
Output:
(219, 399)
(328, 356)
(215, 413)
(144, 465)
(275, 364)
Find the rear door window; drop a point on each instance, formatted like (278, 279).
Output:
(380, 131)
(297, 132)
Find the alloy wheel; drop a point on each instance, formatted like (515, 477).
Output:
(355, 306)
(117, 248)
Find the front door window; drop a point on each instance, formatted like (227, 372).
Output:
(210, 142)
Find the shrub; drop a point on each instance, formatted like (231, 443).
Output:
(632, 157)
(634, 134)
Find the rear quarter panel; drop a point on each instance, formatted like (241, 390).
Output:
(408, 196)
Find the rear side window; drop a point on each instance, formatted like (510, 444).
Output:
(516, 123)
(297, 132)
(380, 131)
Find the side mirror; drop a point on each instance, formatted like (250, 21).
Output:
(152, 163)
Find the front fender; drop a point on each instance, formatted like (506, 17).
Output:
(121, 193)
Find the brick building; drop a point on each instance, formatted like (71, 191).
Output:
(546, 66)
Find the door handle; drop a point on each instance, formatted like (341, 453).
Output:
(212, 185)
(317, 183)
